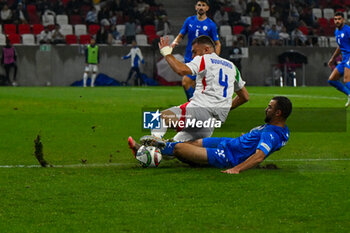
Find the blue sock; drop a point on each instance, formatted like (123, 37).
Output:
(347, 85)
(340, 86)
(189, 93)
(169, 149)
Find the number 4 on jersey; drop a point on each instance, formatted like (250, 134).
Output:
(223, 82)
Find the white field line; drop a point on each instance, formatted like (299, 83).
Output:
(123, 164)
(70, 165)
(299, 96)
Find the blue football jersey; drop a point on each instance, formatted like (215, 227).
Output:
(343, 39)
(267, 138)
(196, 28)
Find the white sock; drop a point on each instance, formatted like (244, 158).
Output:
(85, 77)
(93, 77)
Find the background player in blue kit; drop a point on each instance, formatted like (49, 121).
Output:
(342, 35)
(195, 26)
(240, 153)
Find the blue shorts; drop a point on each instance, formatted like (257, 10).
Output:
(345, 63)
(193, 77)
(217, 153)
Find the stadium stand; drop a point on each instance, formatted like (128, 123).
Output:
(28, 39)
(24, 29)
(71, 39)
(80, 29)
(62, 19)
(2, 39)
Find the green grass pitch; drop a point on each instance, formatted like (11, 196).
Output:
(93, 124)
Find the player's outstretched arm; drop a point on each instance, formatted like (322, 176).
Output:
(177, 40)
(241, 98)
(252, 161)
(176, 65)
(335, 54)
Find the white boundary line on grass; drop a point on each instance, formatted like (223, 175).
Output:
(122, 164)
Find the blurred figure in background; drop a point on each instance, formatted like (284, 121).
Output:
(8, 60)
(92, 59)
(136, 57)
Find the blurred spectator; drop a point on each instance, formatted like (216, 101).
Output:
(293, 11)
(102, 35)
(240, 6)
(73, 7)
(284, 36)
(20, 14)
(266, 25)
(103, 16)
(221, 17)
(247, 32)
(45, 36)
(298, 37)
(91, 16)
(114, 36)
(253, 9)
(8, 60)
(279, 25)
(6, 15)
(118, 5)
(160, 11)
(259, 37)
(290, 24)
(147, 17)
(163, 27)
(234, 17)
(141, 6)
(44, 5)
(313, 37)
(59, 8)
(130, 30)
(273, 36)
(57, 36)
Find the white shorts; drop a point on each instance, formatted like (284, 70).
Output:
(187, 112)
(91, 68)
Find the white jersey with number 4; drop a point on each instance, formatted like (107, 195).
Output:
(217, 79)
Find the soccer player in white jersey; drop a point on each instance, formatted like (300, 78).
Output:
(217, 80)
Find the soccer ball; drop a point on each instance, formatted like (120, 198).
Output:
(149, 156)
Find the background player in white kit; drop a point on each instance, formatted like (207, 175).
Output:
(217, 79)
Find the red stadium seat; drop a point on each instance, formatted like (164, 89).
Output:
(31, 9)
(323, 22)
(257, 21)
(304, 30)
(14, 38)
(150, 29)
(238, 29)
(65, 2)
(84, 39)
(75, 19)
(151, 38)
(24, 29)
(93, 29)
(10, 29)
(37, 28)
(71, 39)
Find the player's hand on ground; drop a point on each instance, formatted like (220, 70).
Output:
(164, 41)
(231, 171)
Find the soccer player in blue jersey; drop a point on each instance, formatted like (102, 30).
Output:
(342, 35)
(237, 154)
(195, 26)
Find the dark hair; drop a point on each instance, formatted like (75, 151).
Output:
(283, 104)
(339, 13)
(203, 39)
(205, 1)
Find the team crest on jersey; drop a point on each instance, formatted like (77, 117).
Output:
(205, 28)
(342, 35)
